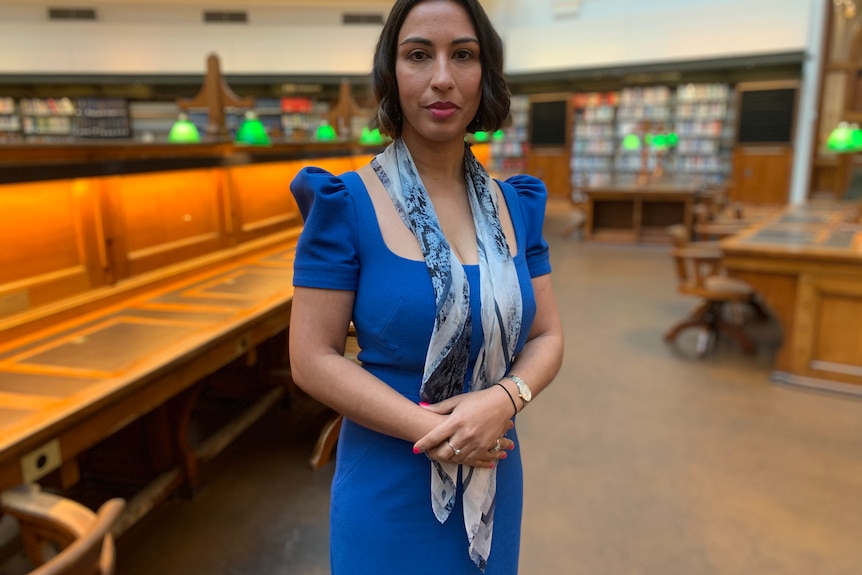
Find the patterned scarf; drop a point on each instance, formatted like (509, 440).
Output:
(448, 351)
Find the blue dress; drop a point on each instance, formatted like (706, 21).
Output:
(381, 521)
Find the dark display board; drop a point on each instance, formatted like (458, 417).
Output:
(548, 123)
(766, 116)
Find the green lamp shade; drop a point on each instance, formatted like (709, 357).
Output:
(326, 133)
(631, 142)
(184, 132)
(855, 138)
(369, 137)
(672, 139)
(498, 136)
(841, 138)
(659, 142)
(252, 132)
(481, 136)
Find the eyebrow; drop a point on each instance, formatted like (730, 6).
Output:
(427, 42)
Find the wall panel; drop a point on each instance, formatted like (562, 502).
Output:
(262, 200)
(51, 244)
(160, 219)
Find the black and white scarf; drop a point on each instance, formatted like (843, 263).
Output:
(449, 348)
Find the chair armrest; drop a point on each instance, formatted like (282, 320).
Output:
(721, 229)
(701, 262)
(28, 503)
(699, 253)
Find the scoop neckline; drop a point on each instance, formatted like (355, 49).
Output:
(382, 240)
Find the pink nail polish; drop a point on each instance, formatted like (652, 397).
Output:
(511, 447)
(416, 451)
(424, 404)
(504, 455)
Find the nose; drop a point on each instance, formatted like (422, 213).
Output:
(442, 75)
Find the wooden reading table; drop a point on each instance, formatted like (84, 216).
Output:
(806, 262)
(130, 278)
(68, 386)
(629, 211)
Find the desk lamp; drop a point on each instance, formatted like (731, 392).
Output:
(370, 137)
(184, 132)
(326, 133)
(252, 132)
(845, 138)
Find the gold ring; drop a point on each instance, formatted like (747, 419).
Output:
(455, 449)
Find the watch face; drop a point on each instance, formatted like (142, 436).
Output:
(524, 391)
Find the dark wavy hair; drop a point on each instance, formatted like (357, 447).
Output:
(494, 106)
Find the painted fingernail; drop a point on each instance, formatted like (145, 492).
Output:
(511, 447)
(424, 404)
(504, 455)
(416, 451)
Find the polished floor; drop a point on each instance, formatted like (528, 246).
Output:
(640, 459)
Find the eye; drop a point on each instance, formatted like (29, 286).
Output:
(463, 55)
(417, 56)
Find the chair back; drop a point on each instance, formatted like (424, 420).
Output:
(678, 234)
(62, 537)
(702, 213)
(693, 263)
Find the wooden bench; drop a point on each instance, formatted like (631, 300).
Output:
(123, 295)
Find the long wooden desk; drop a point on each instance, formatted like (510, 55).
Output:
(68, 386)
(628, 211)
(806, 262)
(143, 284)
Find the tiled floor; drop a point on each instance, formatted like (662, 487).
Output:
(640, 460)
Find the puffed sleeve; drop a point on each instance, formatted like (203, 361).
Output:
(326, 253)
(532, 196)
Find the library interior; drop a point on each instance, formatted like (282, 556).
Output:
(703, 166)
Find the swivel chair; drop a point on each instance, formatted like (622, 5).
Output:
(699, 273)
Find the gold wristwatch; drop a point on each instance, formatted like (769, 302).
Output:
(523, 389)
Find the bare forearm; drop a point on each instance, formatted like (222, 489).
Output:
(540, 359)
(360, 396)
(318, 328)
(537, 364)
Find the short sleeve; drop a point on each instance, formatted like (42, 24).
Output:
(532, 197)
(326, 253)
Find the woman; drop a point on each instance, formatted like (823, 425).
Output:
(445, 276)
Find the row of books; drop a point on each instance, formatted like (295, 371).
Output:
(612, 131)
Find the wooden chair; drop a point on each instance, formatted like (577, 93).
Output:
(61, 536)
(329, 434)
(707, 226)
(716, 217)
(699, 273)
(577, 217)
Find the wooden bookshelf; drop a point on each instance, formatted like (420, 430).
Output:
(10, 122)
(702, 115)
(650, 106)
(594, 141)
(704, 121)
(509, 154)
